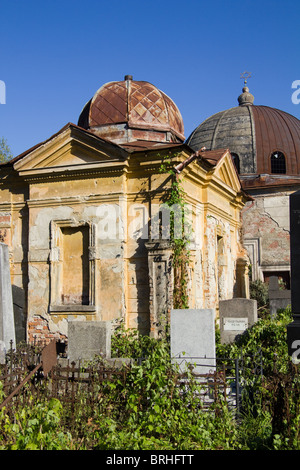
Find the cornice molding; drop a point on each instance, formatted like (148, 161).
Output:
(74, 200)
(87, 171)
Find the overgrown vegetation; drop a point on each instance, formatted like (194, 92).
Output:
(176, 202)
(150, 410)
(259, 291)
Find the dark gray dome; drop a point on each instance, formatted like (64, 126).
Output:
(233, 129)
(253, 134)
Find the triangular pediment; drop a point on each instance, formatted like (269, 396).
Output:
(225, 171)
(70, 149)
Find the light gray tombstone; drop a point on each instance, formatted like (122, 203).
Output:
(2, 352)
(87, 339)
(192, 337)
(236, 315)
(7, 323)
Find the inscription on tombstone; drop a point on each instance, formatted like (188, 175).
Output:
(293, 329)
(235, 324)
(236, 315)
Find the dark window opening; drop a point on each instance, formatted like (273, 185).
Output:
(278, 163)
(236, 161)
(283, 278)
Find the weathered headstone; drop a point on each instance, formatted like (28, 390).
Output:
(18, 296)
(192, 337)
(236, 315)
(87, 339)
(278, 298)
(7, 324)
(293, 329)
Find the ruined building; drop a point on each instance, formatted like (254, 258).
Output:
(83, 215)
(265, 145)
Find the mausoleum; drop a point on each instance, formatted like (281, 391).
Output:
(83, 216)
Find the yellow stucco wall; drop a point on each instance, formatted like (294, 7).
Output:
(61, 188)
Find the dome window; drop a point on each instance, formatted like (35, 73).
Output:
(278, 163)
(236, 161)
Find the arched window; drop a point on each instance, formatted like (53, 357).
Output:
(278, 162)
(236, 161)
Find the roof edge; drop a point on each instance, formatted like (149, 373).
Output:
(61, 131)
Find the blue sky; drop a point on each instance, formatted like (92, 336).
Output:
(56, 54)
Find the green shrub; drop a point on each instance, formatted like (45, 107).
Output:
(268, 336)
(149, 409)
(34, 427)
(259, 291)
(271, 402)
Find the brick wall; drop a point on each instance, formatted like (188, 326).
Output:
(38, 328)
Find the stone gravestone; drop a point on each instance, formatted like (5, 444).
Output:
(236, 315)
(293, 329)
(7, 323)
(192, 337)
(87, 339)
(278, 298)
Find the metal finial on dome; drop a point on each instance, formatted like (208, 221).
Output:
(246, 97)
(245, 76)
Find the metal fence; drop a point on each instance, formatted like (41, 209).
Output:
(33, 369)
(219, 379)
(20, 372)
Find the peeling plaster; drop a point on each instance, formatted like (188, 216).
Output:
(39, 232)
(277, 208)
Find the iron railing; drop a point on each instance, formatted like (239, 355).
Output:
(35, 368)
